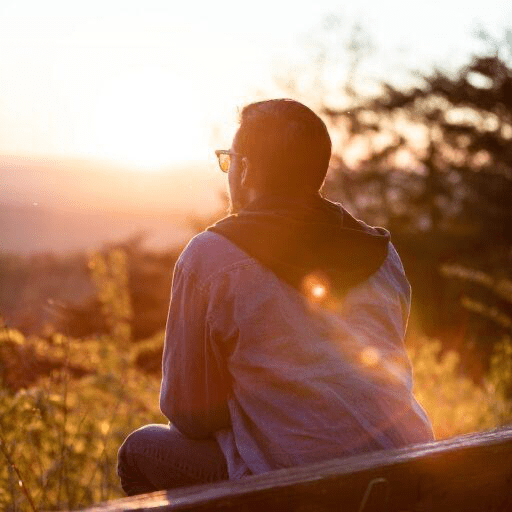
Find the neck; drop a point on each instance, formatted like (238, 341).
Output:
(302, 195)
(281, 200)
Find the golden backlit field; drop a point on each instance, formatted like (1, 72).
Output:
(68, 402)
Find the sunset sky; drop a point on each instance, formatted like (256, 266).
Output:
(156, 83)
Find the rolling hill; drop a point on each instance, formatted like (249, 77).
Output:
(61, 205)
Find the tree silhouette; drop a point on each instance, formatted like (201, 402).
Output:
(433, 163)
(435, 158)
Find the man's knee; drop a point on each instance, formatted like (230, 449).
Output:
(127, 455)
(158, 457)
(125, 449)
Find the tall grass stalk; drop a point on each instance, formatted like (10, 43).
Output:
(21, 481)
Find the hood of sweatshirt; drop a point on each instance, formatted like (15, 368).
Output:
(299, 238)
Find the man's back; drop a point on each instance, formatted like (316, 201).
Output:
(284, 340)
(302, 382)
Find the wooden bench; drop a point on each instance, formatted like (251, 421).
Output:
(466, 473)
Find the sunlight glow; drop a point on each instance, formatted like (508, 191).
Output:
(149, 119)
(318, 291)
(316, 287)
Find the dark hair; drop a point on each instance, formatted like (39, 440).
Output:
(287, 143)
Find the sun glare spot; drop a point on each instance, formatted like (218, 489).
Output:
(370, 356)
(149, 119)
(318, 291)
(316, 287)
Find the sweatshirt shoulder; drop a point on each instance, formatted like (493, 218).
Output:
(208, 253)
(394, 272)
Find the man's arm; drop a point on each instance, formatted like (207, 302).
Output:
(195, 379)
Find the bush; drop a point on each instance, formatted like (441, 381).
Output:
(63, 433)
(454, 403)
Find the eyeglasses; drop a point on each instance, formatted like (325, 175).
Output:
(224, 158)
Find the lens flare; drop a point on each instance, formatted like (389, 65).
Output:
(316, 287)
(318, 291)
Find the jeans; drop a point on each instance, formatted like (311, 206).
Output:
(159, 457)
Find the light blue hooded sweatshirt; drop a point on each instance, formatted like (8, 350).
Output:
(285, 375)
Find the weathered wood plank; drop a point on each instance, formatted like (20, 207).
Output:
(469, 473)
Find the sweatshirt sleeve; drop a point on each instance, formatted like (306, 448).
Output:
(195, 380)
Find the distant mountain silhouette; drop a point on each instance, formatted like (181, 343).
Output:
(62, 205)
(69, 184)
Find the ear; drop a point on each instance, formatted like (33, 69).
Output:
(245, 178)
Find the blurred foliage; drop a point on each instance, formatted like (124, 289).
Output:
(60, 429)
(436, 157)
(110, 275)
(430, 158)
(454, 403)
(63, 432)
(65, 414)
(42, 293)
(33, 289)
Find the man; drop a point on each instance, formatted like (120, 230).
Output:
(284, 340)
